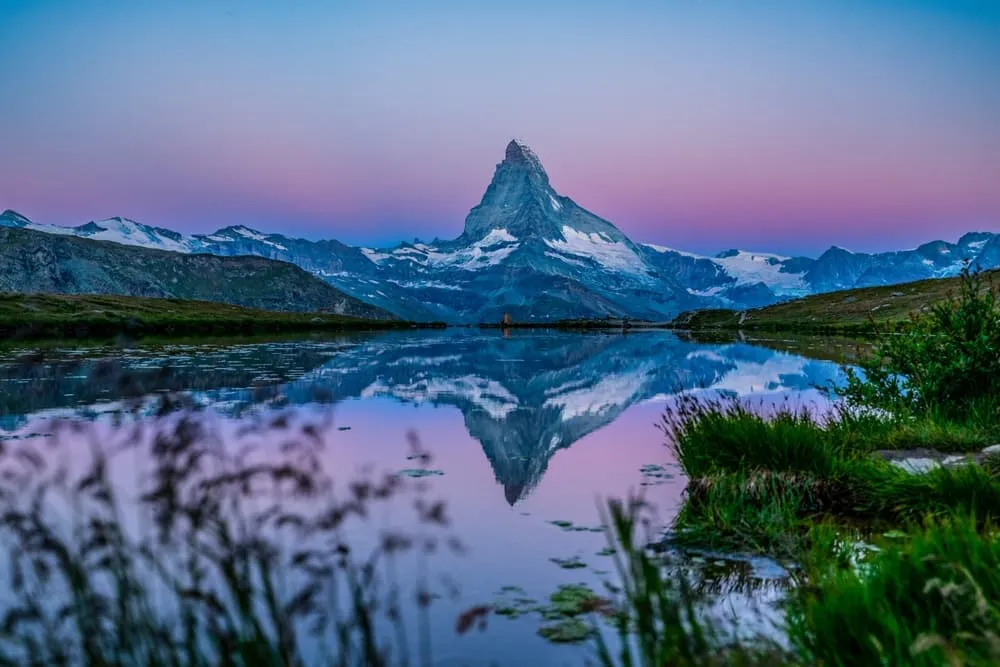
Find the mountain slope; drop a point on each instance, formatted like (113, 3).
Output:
(857, 310)
(31, 262)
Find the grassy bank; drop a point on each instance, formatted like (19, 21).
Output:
(926, 598)
(813, 489)
(34, 316)
(848, 312)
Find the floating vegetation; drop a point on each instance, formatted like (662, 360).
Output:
(654, 475)
(419, 472)
(570, 527)
(567, 631)
(562, 613)
(343, 428)
(607, 551)
(573, 563)
(512, 589)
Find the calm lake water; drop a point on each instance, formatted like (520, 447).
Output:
(526, 430)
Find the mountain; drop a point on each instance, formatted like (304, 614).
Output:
(33, 261)
(528, 251)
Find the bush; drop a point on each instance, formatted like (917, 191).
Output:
(945, 361)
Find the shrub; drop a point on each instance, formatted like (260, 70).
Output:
(946, 360)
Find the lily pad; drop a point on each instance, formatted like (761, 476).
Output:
(570, 599)
(419, 472)
(567, 631)
(573, 563)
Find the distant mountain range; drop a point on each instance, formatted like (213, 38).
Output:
(31, 261)
(528, 251)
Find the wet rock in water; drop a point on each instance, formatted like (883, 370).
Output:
(419, 472)
(343, 428)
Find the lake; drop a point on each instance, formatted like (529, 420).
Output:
(523, 430)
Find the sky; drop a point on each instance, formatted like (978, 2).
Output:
(785, 126)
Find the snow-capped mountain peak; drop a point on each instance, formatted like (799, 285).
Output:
(518, 153)
(11, 218)
(129, 232)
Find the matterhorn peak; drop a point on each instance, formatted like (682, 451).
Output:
(520, 155)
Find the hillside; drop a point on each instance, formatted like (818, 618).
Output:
(848, 311)
(97, 316)
(33, 262)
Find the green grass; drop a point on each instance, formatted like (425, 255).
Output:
(757, 483)
(930, 600)
(855, 311)
(727, 436)
(96, 316)
(746, 513)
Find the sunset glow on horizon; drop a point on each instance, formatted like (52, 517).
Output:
(770, 125)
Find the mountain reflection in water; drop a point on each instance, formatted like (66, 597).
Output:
(522, 397)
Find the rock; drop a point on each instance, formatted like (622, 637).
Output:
(916, 466)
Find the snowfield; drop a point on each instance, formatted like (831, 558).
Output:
(598, 246)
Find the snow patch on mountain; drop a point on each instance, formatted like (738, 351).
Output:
(761, 267)
(375, 256)
(711, 291)
(663, 249)
(598, 246)
(425, 284)
(130, 232)
(496, 237)
(564, 258)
